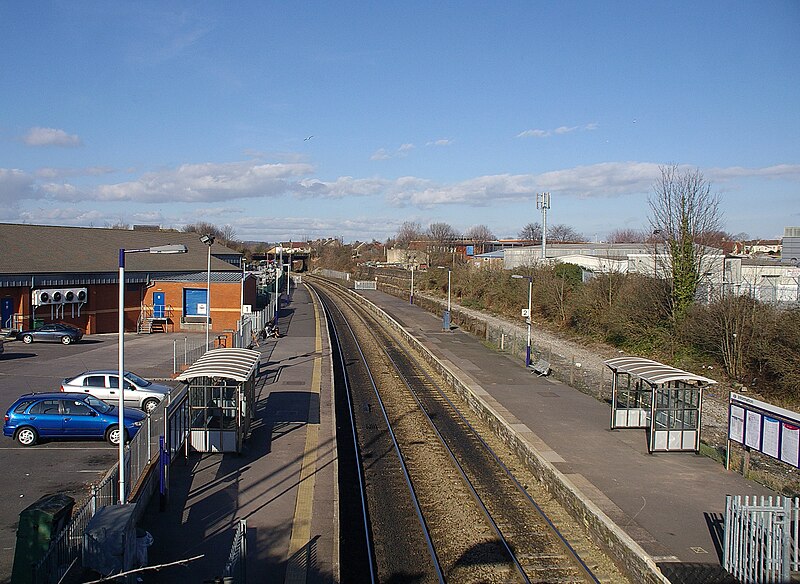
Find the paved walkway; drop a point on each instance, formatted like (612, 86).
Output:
(672, 504)
(283, 483)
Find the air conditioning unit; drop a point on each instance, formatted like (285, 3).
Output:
(44, 296)
(75, 295)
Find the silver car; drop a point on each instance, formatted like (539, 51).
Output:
(104, 385)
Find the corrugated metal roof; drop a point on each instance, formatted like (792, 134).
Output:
(653, 371)
(230, 363)
(36, 249)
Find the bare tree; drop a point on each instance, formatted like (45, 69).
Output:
(228, 234)
(561, 233)
(685, 214)
(628, 236)
(480, 233)
(532, 232)
(409, 231)
(442, 232)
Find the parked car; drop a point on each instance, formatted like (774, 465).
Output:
(104, 384)
(54, 332)
(57, 415)
(1, 347)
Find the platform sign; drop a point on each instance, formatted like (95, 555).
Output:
(764, 427)
(526, 313)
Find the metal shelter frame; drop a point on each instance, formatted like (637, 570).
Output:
(221, 387)
(665, 400)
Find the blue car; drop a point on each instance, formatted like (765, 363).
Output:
(56, 415)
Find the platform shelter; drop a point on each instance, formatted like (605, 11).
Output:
(665, 400)
(221, 388)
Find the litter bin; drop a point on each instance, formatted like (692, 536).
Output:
(39, 524)
(143, 541)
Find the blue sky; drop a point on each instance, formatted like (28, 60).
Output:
(296, 120)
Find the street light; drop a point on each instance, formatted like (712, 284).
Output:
(530, 295)
(178, 248)
(288, 270)
(209, 241)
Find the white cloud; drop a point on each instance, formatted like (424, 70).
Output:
(55, 173)
(344, 186)
(206, 182)
(50, 137)
(15, 185)
(440, 142)
(383, 154)
(539, 133)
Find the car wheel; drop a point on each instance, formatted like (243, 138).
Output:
(27, 436)
(27, 339)
(66, 340)
(112, 435)
(149, 405)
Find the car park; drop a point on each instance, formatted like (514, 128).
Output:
(56, 415)
(104, 384)
(53, 332)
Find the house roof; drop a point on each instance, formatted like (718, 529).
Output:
(36, 249)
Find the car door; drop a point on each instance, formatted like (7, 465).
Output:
(45, 416)
(80, 420)
(47, 333)
(131, 395)
(97, 385)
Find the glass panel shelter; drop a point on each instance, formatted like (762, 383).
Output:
(664, 400)
(221, 387)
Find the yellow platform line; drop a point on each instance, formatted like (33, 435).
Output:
(300, 542)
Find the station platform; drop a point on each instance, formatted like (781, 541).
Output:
(670, 503)
(283, 483)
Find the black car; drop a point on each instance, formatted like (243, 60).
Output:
(54, 332)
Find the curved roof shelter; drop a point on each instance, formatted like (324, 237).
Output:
(653, 372)
(230, 363)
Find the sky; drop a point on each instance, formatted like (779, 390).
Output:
(299, 120)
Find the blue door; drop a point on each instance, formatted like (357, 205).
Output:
(158, 305)
(7, 311)
(195, 301)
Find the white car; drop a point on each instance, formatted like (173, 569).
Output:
(104, 385)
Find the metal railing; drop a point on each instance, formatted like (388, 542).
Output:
(761, 538)
(237, 560)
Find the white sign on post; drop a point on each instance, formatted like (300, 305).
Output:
(201, 308)
(526, 313)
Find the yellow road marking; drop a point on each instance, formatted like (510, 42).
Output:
(297, 567)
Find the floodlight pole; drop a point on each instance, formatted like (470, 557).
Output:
(121, 354)
(543, 203)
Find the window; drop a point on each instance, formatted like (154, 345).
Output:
(96, 381)
(113, 381)
(21, 407)
(77, 408)
(46, 406)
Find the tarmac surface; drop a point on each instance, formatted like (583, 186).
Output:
(284, 482)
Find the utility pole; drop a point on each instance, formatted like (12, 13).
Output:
(543, 203)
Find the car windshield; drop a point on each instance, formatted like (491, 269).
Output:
(98, 404)
(136, 379)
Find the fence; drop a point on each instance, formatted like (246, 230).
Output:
(235, 567)
(761, 538)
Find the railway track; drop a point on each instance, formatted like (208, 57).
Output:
(441, 504)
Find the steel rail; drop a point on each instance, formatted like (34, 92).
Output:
(361, 486)
(401, 460)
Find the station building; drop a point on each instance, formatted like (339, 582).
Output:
(71, 275)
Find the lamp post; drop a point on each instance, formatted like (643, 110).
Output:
(411, 298)
(446, 315)
(530, 295)
(209, 241)
(278, 270)
(288, 270)
(178, 248)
